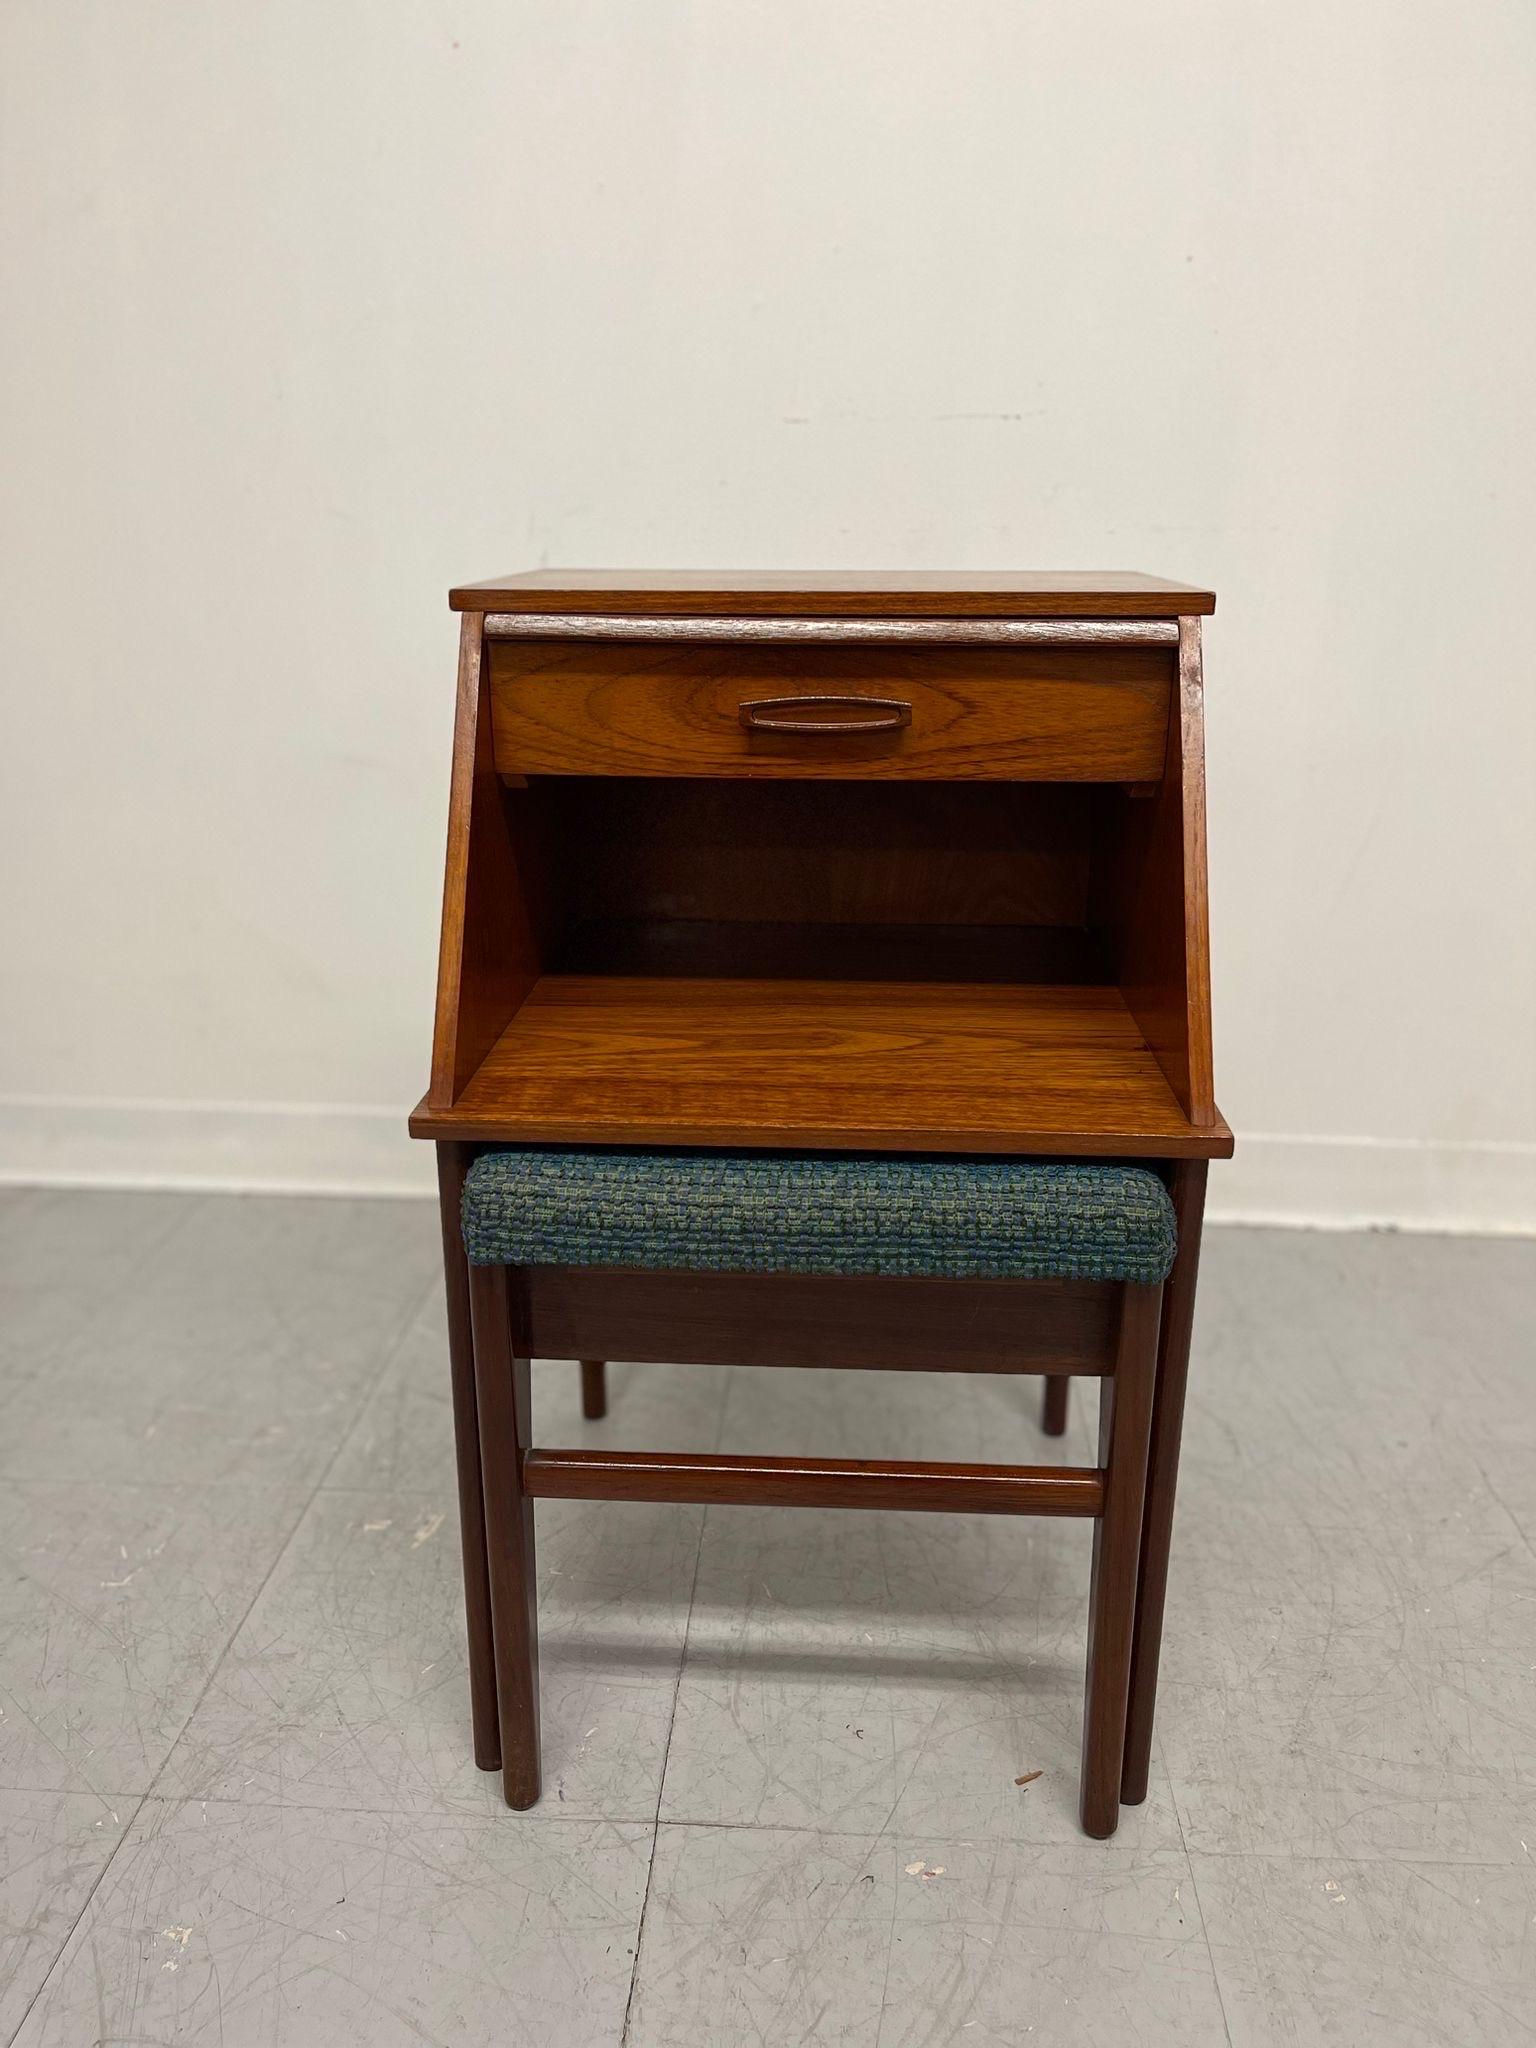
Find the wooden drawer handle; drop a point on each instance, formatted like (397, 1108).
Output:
(825, 714)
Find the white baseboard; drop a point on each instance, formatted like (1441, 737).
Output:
(239, 1147)
(1377, 1184)
(303, 1148)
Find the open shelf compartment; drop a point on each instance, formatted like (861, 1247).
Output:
(919, 966)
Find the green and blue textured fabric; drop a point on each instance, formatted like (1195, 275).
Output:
(780, 1212)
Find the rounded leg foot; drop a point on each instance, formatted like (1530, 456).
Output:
(1053, 1409)
(594, 1389)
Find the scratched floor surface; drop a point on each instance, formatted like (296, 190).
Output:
(236, 1800)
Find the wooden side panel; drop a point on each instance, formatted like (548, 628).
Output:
(1190, 702)
(1155, 900)
(488, 956)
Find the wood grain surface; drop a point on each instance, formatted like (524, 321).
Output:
(488, 954)
(814, 1483)
(1188, 1191)
(845, 1320)
(453, 1163)
(925, 853)
(1157, 899)
(1125, 1415)
(503, 1400)
(993, 714)
(1064, 593)
(893, 1066)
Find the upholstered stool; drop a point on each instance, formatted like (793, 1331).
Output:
(776, 1258)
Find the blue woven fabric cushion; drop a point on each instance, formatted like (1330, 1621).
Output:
(778, 1212)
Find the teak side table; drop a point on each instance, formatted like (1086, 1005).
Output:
(858, 864)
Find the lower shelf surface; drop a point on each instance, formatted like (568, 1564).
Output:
(834, 1065)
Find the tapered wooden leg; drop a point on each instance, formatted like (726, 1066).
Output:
(503, 1389)
(594, 1389)
(1125, 1415)
(1189, 1180)
(1053, 1409)
(452, 1165)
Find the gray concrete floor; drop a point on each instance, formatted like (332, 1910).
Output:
(235, 1789)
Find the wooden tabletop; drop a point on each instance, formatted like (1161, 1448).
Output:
(957, 594)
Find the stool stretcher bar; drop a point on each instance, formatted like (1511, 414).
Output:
(813, 1483)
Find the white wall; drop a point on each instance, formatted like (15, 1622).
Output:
(313, 307)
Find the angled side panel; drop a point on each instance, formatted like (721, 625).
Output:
(1153, 896)
(1197, 917)
(488, 956)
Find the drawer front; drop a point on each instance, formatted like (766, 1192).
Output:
(1042, 714)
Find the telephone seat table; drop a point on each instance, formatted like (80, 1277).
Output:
(823, 980)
